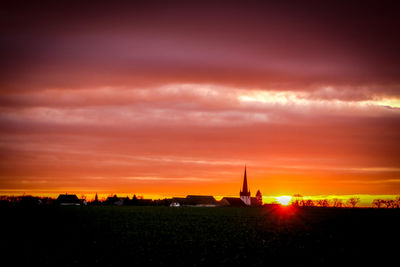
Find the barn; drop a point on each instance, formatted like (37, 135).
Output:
(68, 200)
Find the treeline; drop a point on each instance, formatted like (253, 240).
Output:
(26, 200)
(69, 200)
(352, 202)
(389, 203)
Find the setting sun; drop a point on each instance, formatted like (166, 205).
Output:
(284, 200)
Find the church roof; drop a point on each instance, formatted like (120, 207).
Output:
(200, 200)
(255, 202)
(65, 198)
(233, 201)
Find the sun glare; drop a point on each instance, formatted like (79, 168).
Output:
(284, 200)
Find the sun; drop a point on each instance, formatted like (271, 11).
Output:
(284, 200)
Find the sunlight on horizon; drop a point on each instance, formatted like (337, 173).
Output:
(284, 200)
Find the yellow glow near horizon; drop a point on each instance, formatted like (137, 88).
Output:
(284, 200)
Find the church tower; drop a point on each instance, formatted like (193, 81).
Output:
(259, 198)
(245, 193)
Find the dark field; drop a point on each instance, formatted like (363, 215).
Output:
(126, 236)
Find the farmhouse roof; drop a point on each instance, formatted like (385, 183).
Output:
(233, 201)
(200, 200)
(180, 200)
(65, 198)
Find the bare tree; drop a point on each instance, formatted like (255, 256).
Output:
(323, 202)
(378, 203)
(353, 201)
(389, 203)
(307, 203)
(397, 202)
(297, 199)
(337, 203)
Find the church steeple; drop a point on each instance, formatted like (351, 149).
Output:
(245, 193)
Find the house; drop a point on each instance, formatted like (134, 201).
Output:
(116, 201)
(68, 200)
(177, 202)
(29, 200)
(201, 201)
(232, 201)
(193, 201)
(138, 201)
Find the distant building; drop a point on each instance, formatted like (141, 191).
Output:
(116, 201)
(68, 200)
(175, 204)
(193, 201)
(83, 201)
(245, 193)
(244, 200)
(203, 201)
(259, 198)
(255, 202)
(232, 201)
(96, 200)
(29, 200)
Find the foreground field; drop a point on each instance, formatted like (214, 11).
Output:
(115, 236)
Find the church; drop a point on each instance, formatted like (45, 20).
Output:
(245, 196)
(245, 193)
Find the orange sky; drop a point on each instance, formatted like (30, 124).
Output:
(173, 100)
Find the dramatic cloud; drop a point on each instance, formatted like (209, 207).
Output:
(170, 98)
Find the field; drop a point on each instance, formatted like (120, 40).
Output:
(130, 236)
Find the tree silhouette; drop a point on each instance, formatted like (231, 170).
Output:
(297, 199)
(389, 203)
(337, 203)
(378, 203)
(323, 202)
(353, 201)
(307, 203)
(397, 202)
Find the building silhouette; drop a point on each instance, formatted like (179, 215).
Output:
(245, 193)
(68, 200)
(259, 198)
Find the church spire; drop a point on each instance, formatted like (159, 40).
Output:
(245, 194)
(245, 191)
(245, 180)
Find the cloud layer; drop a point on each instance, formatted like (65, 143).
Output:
(176, 98)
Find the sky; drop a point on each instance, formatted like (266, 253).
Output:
(173, 98)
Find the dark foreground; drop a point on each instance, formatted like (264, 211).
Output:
(132, 236)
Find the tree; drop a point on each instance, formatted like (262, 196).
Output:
(297, 199)
(397, 202)
(389, 203)
(337, 203)
(378, 203)
(307, 203)
(353, 201)
(323, 202)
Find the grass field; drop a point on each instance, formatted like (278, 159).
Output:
(133, 236)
